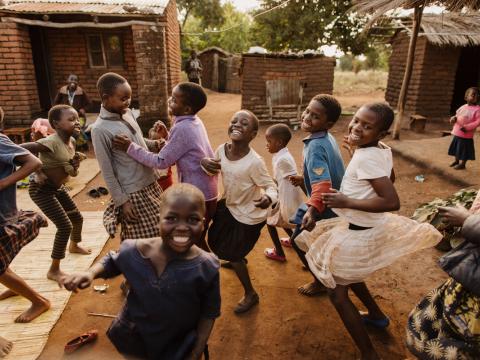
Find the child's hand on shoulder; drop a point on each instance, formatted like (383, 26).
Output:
(335, 199)
(76, 281)
(211, 166)
(121, 142)
(263, 203)
(296, 180)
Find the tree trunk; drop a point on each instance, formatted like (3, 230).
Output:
(402, 99)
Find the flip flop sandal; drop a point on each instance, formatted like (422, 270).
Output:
(102, 190)
(78, 342)
(245, 306)
(94, 193)
(379, 324)
(271, 253)
(286, 242)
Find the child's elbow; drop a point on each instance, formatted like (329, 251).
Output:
(36, 163)
(395, 206)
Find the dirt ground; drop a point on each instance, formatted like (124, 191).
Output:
(285, 325)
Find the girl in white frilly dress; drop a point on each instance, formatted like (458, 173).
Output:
(342, 252)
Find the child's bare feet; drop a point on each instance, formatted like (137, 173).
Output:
(38, 307)
(7, 294)
(74, 248)
(313, 288)
(5, 347)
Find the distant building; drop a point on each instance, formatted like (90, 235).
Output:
(447, 62)
(220, 70)
(43, 41)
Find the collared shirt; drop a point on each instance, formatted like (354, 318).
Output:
(187, 145)
(123, 175)
(322, 160)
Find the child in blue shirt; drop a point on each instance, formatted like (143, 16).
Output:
(174, 294)
(323, 169)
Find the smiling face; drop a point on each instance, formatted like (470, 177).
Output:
(242, 127)
(365, 129)
(176, 103)
(119, 101)
(314, 118)
(68, 123)
(72, 82)
(274, 144)
(181, 222)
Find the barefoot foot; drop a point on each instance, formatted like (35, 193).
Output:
(56, 275)
(313, 288)
(38, 307)
(74, 248)
(5, 347)
(7, 294)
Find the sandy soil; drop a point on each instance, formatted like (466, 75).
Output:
(285, 325)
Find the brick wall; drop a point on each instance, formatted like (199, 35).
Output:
(315, 72)
(18, 88)
(433, 77)
(69, 54)
(174, 61)
(151, 66)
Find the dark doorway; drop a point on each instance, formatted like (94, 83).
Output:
(42, 66)
(468, 74)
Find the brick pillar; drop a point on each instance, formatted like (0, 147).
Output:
(151, 68)
(18, 85)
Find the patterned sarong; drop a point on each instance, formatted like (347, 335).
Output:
(146, 204)
(15, 234)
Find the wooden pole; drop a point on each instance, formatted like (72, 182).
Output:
(402, 99)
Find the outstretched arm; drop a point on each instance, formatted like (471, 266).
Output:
(28, 164)
(35, 147)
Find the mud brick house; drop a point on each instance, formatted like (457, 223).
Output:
(277, 87)
(43, 41)
(447, 62)
(220, 70)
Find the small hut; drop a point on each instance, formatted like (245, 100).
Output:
(277, 87)
(43, 41)
(446, 64)
(220, 70)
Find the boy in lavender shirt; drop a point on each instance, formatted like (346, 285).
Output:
(188, 144)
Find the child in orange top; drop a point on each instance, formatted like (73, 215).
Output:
(466, 120)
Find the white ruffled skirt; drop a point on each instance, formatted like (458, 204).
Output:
(338, 255)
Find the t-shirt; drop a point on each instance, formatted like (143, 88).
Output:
(366, 164)
(289, 197)
(468, 118)
(244, 181)
(59, 155)
(166, 307)
(8, 196)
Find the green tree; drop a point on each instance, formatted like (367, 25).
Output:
(210, 12)
(309, 24)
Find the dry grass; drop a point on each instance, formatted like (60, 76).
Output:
(365, 82)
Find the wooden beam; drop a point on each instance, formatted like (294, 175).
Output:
(81, 24)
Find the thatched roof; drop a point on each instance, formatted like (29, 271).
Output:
(452, 29)
(380, 7)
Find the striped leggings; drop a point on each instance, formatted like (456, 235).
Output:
(59, 207)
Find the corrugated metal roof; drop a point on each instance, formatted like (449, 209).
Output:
(99, 7)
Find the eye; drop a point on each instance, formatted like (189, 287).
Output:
(170, 218)
(194, 220)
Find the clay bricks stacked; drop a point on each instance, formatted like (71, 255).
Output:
(69, 55)
(18, 94)
(174, 62)
(315, 72)
(152, 76)
(432, 83)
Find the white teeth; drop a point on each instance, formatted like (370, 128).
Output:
(236, 132)
(354, 137)
(181, 239)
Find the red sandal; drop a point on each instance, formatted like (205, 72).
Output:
(272, 254)
(83, 339)
(286, 242)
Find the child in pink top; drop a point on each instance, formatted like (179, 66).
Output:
(466, 120)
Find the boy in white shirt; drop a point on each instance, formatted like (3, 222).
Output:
(290, 197)
(243, 208)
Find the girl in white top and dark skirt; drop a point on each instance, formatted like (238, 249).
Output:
(342, 252)
(243, 208)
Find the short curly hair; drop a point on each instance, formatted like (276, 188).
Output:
(55, 113)
(384, 113)
(281, 132)
(331, 105)
(108, 82)
(194, 95)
